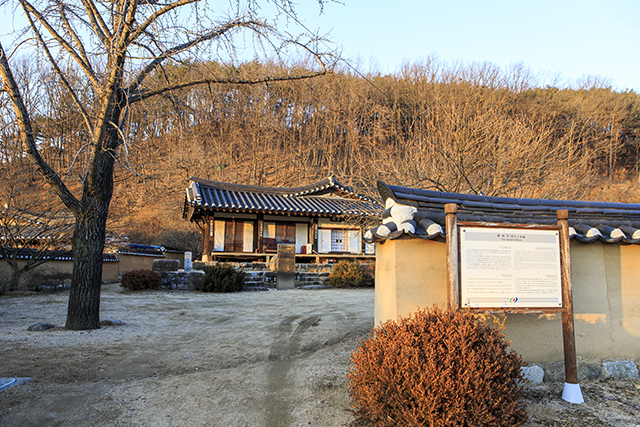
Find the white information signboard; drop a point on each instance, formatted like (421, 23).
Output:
(510, 268)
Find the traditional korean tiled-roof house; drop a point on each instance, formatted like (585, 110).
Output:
(242, 222)
(411, 266)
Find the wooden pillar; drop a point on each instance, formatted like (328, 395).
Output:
(259, 234)
(206, 239)
(314, 237)
(453, 294)
(571, 391)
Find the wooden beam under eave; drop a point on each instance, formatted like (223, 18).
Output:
(190, 213)
(259, 245)
(206, 239)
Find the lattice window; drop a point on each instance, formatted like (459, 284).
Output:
(339, 240)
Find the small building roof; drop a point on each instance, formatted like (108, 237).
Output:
(141, 250)
(58, 255)
(327, 197)
(28, 226)
(420, 213)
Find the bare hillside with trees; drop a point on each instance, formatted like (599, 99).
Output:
(474, 128)
(477, 129)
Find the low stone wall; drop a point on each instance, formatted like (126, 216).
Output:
(587, 371)
(181, 280)
(165, 264)
(259, 275)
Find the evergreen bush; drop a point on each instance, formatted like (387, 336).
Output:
(222, 278)
(437, 368)
(347, 274)
(138, 280)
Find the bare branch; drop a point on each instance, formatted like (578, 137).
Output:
(73, 34)
(213, 34)
(85, 67)
(73, 162)
(28, 140)
(154, 16)
(61, 75)
(102, 38)
(100, 29)
(111, 105)
(213, 80)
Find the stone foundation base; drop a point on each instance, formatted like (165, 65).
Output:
(181, 280)
(587, 371)
(259, 275)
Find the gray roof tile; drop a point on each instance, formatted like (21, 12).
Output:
(596, 205)
(478, 198)
(475, 204)
(529, 202)
(574, 204)
(427, 193)
(327, 198)
(591, 220)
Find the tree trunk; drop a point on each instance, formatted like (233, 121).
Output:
(89, 235)
(88, 245)
(14, 281)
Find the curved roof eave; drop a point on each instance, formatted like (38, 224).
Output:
(407, 208)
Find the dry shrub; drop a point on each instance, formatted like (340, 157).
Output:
(436, 368)
(347, 274)
(138, 280)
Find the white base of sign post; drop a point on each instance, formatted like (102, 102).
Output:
(572, 394)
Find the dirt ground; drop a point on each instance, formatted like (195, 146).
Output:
(277, 358)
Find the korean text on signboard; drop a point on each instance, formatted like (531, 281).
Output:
(510, 268)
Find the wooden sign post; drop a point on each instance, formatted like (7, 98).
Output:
(571, 392)
(507, 268)
(453, 295)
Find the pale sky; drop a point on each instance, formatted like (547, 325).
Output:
(570, 38)
(574, 38)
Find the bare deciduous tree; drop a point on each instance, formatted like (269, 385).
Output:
(110, 55)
